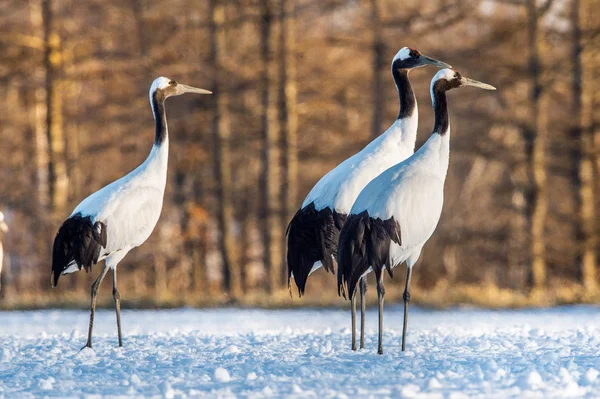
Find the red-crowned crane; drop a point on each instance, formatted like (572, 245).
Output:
(121, 216)
(314, 231)
(397, 212)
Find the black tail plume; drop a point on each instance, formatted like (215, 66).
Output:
(77, 241)
(312, 237)
(364, 242)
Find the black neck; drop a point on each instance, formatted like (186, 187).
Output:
(160, 116)
(408, 103)
(440, 109)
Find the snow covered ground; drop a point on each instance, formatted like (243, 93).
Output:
(301, 354)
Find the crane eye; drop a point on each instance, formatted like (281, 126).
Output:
(173, 83)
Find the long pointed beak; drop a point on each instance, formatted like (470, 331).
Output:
(430, 61)
(190, 89)
(475, 83)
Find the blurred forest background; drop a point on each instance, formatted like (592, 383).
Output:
(300, 85)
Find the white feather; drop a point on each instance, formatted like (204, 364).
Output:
(71, 268)
(446, 73)
(412, 192)
(402, 54)
(339, 188)
(130, 207)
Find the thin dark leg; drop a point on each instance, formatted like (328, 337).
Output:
(406, 302)
(117, 298)
(380, 295)
(353, 311)
(95, 287)
(363, 310)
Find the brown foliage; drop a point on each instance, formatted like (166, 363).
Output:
(75, 75)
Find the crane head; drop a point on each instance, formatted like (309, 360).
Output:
(448, 79)
(163, 88)
(408, 58)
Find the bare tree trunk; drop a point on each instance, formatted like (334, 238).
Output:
(583, 151)
(59, 181)
(198, 274)
(198, 248)
(160, 275)
(138, 14)
(518, 255)
(537, 138)
(142, 37)
(244, 244)
(590, 23)
(378, 62)
(73, 152)
(38, 117)
(269, 171)
(247, 220)
(70, 93)
(539, 196)
(595, 132)
(289, 118)
(222, 167)
(182, 175)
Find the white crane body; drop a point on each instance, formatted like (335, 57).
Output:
(132, 204)
(398, 211)
(122, 215)
(313, 233)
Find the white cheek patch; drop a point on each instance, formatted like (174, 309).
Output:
(403, 54)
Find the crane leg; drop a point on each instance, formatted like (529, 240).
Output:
(363, 309)
(95, 287)
(353, 311)
(380, 295)
(406, 302)
(117, 298)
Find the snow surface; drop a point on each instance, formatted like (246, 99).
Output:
(546, 353)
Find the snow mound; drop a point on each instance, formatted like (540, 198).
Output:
(222, 375)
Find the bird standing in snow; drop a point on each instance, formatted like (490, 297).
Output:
(397, 212)
(3, 229)
(121, 216)
(314, 231)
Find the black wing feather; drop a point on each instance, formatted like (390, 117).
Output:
(79, 241)
(312, 236)
(364, 242)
